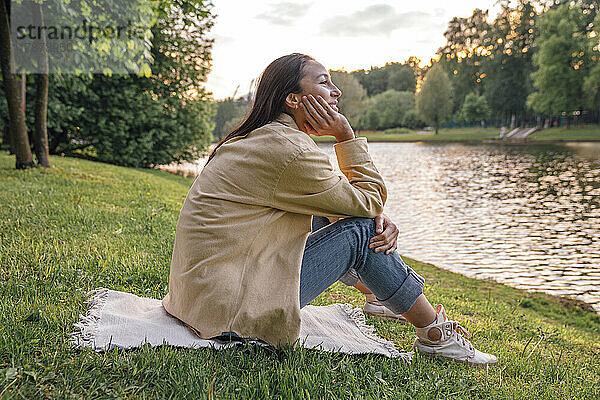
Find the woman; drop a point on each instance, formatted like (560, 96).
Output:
(244, 259)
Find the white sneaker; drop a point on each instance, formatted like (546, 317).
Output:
(452, 343)
(381, 311)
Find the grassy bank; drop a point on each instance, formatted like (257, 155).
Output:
(589, 132)
(81, 225)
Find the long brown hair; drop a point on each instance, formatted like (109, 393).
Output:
(279, 79)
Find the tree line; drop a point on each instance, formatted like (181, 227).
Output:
(536, 63)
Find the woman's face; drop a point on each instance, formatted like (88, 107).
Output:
(316, 81)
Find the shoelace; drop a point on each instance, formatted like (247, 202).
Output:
(462, 333)
(453, 328)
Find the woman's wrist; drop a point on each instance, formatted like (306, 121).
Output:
(347, 134)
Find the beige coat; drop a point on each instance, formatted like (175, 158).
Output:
(244, 223)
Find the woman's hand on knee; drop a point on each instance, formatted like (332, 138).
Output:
(388, 235)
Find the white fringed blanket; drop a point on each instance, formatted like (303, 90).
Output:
(118, 319)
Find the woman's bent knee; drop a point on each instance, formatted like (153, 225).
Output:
(363, 222)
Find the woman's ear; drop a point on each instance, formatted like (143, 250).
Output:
(292, 100)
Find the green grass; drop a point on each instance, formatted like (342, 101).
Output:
(81, 225)
(589, 132)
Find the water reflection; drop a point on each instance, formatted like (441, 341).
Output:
(527, 216)
(524, 215)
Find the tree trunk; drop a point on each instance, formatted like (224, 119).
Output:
(567, 122)
(16, 114)
(437, 126)
(40, 134)
(513, 121)
(7, 139)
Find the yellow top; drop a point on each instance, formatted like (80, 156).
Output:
(244, 223)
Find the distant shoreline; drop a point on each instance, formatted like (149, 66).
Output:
(486, 141)
(588, 133)
(490, 135)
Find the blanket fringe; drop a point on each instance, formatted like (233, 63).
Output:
(87, 326)
(358, 317)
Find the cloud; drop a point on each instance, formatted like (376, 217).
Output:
(223, 40)
(284, 13)
(378, 19)
(440, 12)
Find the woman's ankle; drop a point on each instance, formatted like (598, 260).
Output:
(422, 313)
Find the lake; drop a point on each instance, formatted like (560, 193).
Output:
(524, 215)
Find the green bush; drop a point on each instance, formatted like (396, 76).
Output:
(130, 128)
(369, 119)
(475, 108)
(411, 120)
(386, 110)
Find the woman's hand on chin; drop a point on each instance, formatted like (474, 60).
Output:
(323, 120)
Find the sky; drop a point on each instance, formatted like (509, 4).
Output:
(344, 34)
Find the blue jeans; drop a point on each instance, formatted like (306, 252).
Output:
(332, 250)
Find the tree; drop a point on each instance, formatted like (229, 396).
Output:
(181, 49)
(168, 117)
(464, 52)
(353, 93)
(434, 101)
(375, 80)
(40, 132)
(392, 106)
(563, 59)
(589, 9)
(508, 65)
(475, 108)
(402, 79)
(16, 114)
(393, 75)
(419, 72)
(229, 114)
(591, 84)
(71, 13)
(233, 123)
(591, 87)
(135, 120)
